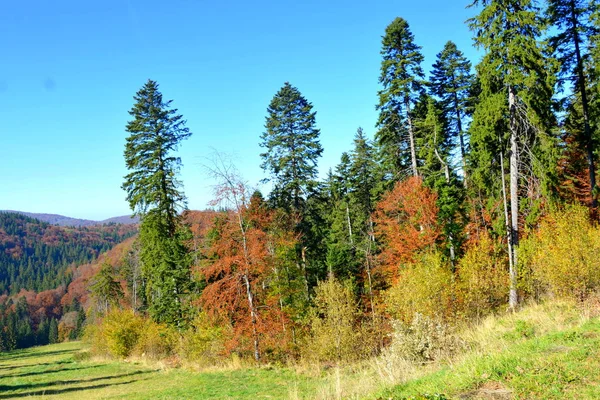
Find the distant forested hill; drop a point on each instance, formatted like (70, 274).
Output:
(35, 255)
(61, 220)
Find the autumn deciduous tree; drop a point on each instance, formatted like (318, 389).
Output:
(406, 221)
(238, 266)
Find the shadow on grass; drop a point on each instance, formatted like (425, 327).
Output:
(20, 354)
(47, 391)
(11, 367)
(48, 371)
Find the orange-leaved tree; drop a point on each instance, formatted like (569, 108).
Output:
(406, 223)
(239, 265)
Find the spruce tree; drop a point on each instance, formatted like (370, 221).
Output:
(53, 331)
(517, 88)
(402, 80)
(572, 20)
(105, 288)
(452, 83)
(155, 194)
(292, 148)
(435, 145)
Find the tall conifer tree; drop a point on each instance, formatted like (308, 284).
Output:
(452, 82)
(517, 83)
(402, 80)
(572, 20)
(155, 194)
(291, 141)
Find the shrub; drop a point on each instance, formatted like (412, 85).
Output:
(562, 256)
(203, 343)
(333, 334)
(117, 333)
(425, 287)
(483, 280)
(156, 341)
(423, 340)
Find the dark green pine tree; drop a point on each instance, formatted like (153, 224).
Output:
(435, 145)
(155, 194)
(452, 83)
(575, 28)
(292, 148)
(105, 288)
(402, 79)
(53, 331)
(340, 220)
(517, 80)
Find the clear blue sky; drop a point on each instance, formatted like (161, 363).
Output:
(69, 71)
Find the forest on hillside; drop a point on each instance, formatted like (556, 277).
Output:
(38, 262)
(476, 195)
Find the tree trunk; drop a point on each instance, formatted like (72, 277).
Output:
(252, 316)
(506, 216)
(514, 197)
(349, 225)
(461, 139)
(304, 272)
(411, 138)
(447, 175)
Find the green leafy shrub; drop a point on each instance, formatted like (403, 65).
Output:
(483, 280)
(156, 341)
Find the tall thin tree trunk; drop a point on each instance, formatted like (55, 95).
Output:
(349, 225)
(461, 140)
(304, 272)
(581, 82)
(514, 196)
(506, 216)
(252, 316)
(247, 282)
(411, 138)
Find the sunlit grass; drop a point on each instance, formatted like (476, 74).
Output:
(547, 351)
(57, 372)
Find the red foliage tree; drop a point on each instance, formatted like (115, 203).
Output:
(240, 266)
(406, 222)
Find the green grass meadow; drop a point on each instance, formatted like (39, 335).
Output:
(54, 372)
(543, 352)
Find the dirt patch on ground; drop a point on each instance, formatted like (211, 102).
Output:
(489, 391)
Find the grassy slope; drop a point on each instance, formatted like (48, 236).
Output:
(543, 352)
(54, 372)
(558, 358)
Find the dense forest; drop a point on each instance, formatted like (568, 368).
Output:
(476, 194)
(38, 256)
(38, 263)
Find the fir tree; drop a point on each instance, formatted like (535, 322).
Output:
(154, 193)
(402, 80)
(452, 83)
(517, 81)
(105, 288)
(53, 331)
(435, 144)
(572, 20)
(292, 148)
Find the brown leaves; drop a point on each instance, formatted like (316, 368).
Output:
(406, 221)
